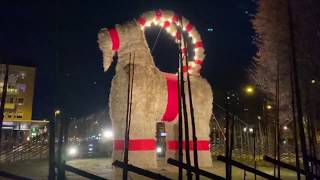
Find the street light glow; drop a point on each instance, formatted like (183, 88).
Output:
(269, 107)
(57, 112)
(251, 130)
(108, 134)
(285, 128)
(249, 90)
(72, 151)
(245, 129)
(159, 149)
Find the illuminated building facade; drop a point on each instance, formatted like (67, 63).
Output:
(19, 100)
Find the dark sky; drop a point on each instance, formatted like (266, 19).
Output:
(60, 40)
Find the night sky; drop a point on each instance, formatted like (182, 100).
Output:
(60, 40)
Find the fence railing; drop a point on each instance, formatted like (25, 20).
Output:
(36, 148)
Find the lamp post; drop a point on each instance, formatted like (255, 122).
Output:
(59, 159)
(52, 174)
(253, 133)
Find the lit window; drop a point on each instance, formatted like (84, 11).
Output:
(19, 115)
(20, 101)
(21, 87)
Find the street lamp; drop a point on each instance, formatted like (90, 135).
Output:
(269, 107)
(249, 90)
(254, 150)
(57, 112)
(108, 134)
(245, 129)
(72, 151)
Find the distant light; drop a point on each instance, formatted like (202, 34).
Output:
(57, 112)
(28, 138)
(148, 24)
(90, 149)
(249, 90)
(284, 142)
(163, 134)
(245, 129)
(269, 107)
(108, 134)
(159, 150)
(313, 81)
(90, 145)
(285, 128)
(251, 130)
(72, 151)
(259, 117)
(210, 29)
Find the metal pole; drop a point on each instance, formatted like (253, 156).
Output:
(193, 125)
(277, 120)
(185, 117)
(126, 136)
(180, 134)
(64, 146)
(59, 158)
(228, 175)
(254, 153)
(52, 149)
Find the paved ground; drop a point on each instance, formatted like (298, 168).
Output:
(38, 169)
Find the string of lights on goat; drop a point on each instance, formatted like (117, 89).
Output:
(169, 21)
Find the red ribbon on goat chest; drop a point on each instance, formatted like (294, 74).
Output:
(172, 107)
(114, 36)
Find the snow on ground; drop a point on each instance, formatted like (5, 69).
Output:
(38, 169)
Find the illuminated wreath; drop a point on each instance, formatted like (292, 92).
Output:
(169, 21)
